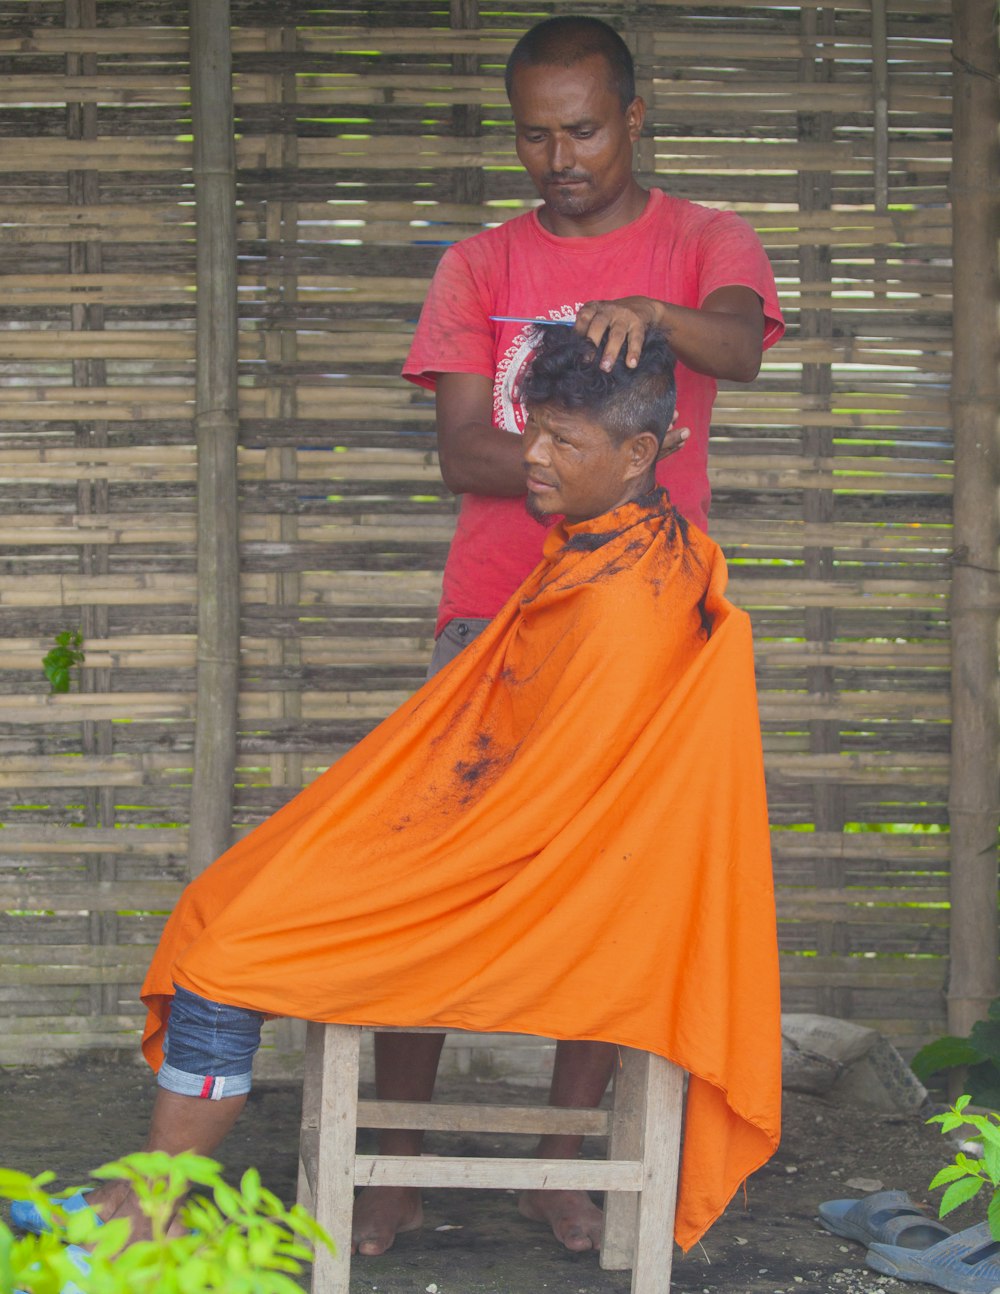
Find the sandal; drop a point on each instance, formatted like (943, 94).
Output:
(887, 1217)
(967, 1262)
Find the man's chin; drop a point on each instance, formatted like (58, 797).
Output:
(536, 512)
(568, 202)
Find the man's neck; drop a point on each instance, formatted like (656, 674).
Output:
(628, 207)
(639, 490)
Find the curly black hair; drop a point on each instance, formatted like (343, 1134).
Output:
(565, 371)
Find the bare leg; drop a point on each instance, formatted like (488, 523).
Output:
(405, 1069)
(179, 1123)
(580, 1078)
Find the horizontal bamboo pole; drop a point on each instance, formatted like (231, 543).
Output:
(105, 216)
(94, 896)
(850, 706)
(105, 40)
(122, 153)
(57, 343)
(864, 975)
(45, 708)
(29, 534)
(908, 922)
(99, 590)
(115, 88)
(57, 840)
(916, 850)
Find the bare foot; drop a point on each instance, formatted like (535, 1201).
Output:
(575, 1219)
(117, 1200)
(380, 1214)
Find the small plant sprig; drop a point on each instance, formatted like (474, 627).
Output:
(966, 1177)
(978, 1054)
(239, 1240)
(64, 656)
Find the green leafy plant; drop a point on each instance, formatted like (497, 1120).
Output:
(239, 1240)
(966, 1177)
(979, 1053)
(58, 663)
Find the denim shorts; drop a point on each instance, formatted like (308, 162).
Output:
(209, 1047)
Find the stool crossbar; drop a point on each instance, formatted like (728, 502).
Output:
(639, 1176)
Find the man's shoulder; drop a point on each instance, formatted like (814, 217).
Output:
(683, 214)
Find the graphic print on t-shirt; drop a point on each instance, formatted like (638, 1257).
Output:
(508, 410)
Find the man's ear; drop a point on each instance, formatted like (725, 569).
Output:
(635, 115)
(641, 452)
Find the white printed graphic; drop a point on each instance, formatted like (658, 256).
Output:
(508, 411)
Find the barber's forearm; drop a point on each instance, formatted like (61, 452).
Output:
(479, 459)
(712, 342)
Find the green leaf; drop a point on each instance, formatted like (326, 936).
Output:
(111, 1237)
(227, 1199)
(251, 1188)
(993, 1215)
(200, 1169)
(991, 1161)
(58, 678)
(959, 1192)
(950, 1173)
(944, 1053)
(257, 1249)
(983, 1081)
(21, 1186)
(988, 1129)
(985, 1037)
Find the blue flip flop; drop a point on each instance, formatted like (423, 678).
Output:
(887, 1217)
(967, 1262)
(26, 1217)
(81, 1261)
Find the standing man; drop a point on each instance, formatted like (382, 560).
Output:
(617, 259)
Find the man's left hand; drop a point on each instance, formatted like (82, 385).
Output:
(624, 322)
(673, 440)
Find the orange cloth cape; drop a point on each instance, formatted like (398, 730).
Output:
(564, 833)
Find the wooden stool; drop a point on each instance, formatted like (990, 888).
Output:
(640, 1174)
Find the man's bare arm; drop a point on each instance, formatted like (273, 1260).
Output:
(477, 458)
(723, 339)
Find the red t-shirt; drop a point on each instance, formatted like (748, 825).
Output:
(675, 251)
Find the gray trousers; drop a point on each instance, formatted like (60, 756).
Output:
(453, 637)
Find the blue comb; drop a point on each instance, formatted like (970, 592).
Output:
(548, 323)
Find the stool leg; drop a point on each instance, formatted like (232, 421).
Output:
(654, 1248)
(334, 1182)
(621, 1208)
(312, 1086)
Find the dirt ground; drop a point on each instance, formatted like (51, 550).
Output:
(71, 1118)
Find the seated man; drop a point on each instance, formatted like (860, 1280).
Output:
(563, 833)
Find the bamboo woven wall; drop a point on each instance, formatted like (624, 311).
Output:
(367, 137)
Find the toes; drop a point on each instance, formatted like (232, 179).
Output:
(372, 1246)
(576, 1239)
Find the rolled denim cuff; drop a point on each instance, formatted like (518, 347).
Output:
(210, 1087)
